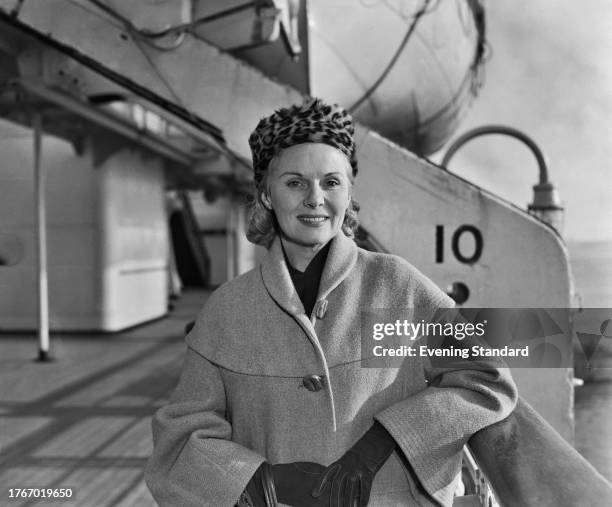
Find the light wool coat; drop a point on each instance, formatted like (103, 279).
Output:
(241, 400)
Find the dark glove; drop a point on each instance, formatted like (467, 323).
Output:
(292, 484)
(260, 490)
(348, 481)
(295, 481)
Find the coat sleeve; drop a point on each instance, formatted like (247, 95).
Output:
(432, 426)
(194, 462)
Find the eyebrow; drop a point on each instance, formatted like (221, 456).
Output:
(294, 173)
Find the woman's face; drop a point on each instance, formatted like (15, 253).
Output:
(309, 190)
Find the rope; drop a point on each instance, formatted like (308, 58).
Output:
(417, 16)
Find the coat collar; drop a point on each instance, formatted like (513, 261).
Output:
(340, 260)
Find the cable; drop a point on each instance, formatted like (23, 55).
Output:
(111, 12)
(158, 73)
(141, 33)
(478, 13)
(180, 30)
(417, 16)
(17, 9)
(131, 28)
(483, 52)
(180, 38)
(135, 32)
(178, 109)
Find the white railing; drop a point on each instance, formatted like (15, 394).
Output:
(478, 491)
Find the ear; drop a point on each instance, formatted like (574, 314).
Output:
(265, 199)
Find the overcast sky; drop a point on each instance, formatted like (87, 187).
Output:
(550, 75)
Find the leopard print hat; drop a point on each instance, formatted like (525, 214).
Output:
(314, 121)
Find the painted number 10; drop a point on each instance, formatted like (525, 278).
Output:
(456, 244)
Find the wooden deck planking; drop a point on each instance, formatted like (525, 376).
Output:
(15, 428)
(84, 420)
(78, 357)
(135, 442)
(138, 496)
(84, 438)
(112, 384)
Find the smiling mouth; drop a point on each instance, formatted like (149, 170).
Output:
(312, 220)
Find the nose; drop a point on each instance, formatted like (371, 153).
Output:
(314, 197)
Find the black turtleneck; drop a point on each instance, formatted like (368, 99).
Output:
(306, 283)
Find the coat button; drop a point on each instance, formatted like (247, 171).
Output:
(313, 383)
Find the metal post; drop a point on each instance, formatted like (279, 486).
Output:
(230, 241)
(41, 236)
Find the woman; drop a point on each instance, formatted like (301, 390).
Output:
(273, 398)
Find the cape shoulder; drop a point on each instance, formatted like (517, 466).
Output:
(242, 329)
(397, 275)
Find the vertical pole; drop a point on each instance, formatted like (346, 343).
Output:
(231, 244)
(238, 235)
(41, 236)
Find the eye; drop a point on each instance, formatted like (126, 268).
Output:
(333, 182)
(295, 183)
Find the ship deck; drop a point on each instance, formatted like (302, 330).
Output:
(82, 421)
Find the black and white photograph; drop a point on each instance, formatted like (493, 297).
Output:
(308, 253)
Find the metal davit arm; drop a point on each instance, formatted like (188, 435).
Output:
(503, 130)
(546, 205)
(528, 463)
